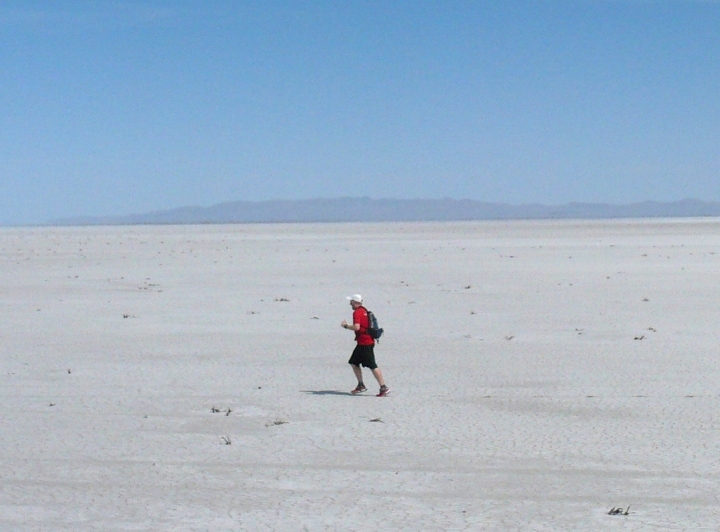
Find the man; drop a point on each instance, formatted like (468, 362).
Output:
(363, 353)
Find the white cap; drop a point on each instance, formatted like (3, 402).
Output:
(357, 298)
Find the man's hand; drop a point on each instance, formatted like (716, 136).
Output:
(344, 324)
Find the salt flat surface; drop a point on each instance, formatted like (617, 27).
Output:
(541, 374)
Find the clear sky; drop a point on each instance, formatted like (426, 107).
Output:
(120, 107)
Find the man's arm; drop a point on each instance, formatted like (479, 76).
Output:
(354, 327)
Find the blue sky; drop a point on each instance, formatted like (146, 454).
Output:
(119, 107)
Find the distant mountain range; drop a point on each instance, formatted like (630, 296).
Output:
(397, 210)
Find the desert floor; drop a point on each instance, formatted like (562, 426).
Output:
(542, 373)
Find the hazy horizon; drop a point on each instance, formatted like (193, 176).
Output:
(366, 209)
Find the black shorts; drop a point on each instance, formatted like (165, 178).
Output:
(363, 354)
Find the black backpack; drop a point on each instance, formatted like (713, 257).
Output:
(374, 330)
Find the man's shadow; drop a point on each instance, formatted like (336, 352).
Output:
(325, 392)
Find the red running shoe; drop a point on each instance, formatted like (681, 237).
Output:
(359, 389)
(384, 390)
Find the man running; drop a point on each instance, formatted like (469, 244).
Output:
(364, 351)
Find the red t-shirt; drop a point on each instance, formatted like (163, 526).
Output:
(360, 317)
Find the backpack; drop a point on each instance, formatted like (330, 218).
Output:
(373, 329)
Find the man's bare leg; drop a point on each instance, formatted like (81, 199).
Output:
(358, 373)
(378, 376)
